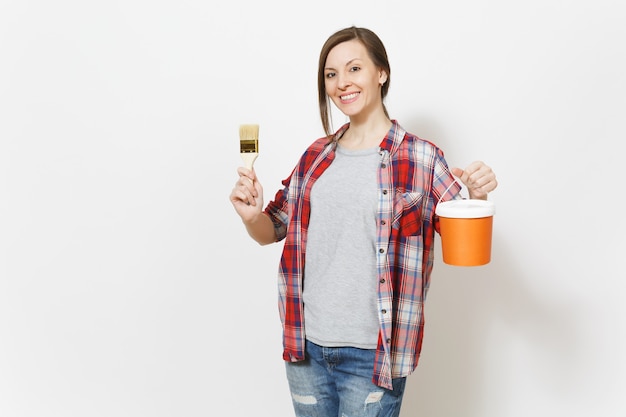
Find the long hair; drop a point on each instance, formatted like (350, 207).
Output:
(377, 53)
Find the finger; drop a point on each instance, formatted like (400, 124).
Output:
(478, 174)
(249, 192)
(485, 178)
(482, 182)
(475, 167)
(490, 184)
(461, 174)
(237, 196)
(248, 173)
(241, 193)
(457, 172)
(244, 183)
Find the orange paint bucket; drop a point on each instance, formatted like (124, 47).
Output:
(466, 230)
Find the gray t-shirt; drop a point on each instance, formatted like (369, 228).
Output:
(340, 299)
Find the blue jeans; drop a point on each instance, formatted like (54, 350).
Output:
(337, 382)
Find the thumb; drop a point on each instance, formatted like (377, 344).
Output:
(458, 172)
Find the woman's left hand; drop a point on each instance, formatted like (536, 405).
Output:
(479, 179)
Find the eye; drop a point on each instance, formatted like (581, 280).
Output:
(330, 74)
(354, 69)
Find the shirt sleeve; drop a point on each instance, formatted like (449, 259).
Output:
(278, 210)
(445, 186)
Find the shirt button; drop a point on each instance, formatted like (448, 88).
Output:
(382, 280)
(381, 250)
(385, 192)
(383, 222)
(383, 311)
(383, 165)
(389, 340)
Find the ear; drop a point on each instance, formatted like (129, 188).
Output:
(382, 77)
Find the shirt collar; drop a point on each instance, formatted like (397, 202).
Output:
(391, 142)
(394, 138)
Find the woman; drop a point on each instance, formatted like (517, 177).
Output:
(358, 218)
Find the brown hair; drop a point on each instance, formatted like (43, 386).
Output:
(377, 53)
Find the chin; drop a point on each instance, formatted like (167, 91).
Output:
(350, 112)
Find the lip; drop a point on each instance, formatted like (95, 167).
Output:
(349, 97)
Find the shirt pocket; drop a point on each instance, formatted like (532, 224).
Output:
(407, 213)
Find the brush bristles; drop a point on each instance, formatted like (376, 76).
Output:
(249, 138)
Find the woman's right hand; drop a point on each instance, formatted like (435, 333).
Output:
(247, 195)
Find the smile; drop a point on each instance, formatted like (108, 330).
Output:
(349, 97)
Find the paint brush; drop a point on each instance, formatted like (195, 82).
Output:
(249, 144)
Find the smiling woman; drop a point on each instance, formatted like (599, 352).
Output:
(356, 272)
(118, 139)
(354, 84)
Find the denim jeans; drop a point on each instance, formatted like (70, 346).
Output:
(337, 382)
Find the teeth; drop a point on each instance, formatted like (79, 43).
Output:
(349, 96)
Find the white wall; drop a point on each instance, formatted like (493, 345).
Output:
(128, 286)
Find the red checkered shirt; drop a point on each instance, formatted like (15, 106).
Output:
(413, 177)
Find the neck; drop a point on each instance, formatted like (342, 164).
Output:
(366, 134)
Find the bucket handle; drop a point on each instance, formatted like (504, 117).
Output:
(449, 186)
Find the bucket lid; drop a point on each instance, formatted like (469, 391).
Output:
(465, 209)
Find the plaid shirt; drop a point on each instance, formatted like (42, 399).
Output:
(413, 177)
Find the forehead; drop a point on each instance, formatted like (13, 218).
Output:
(345, 52)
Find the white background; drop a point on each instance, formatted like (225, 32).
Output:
(128, 286)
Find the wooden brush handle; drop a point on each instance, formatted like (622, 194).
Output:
(249, 158)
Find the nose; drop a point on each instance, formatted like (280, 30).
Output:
(343, 81)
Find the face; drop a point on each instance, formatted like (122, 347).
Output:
(352, 80)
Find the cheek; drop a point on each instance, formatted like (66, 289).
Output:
(329, 85)
(334, 98)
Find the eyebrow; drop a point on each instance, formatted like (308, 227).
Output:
(347, 64)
